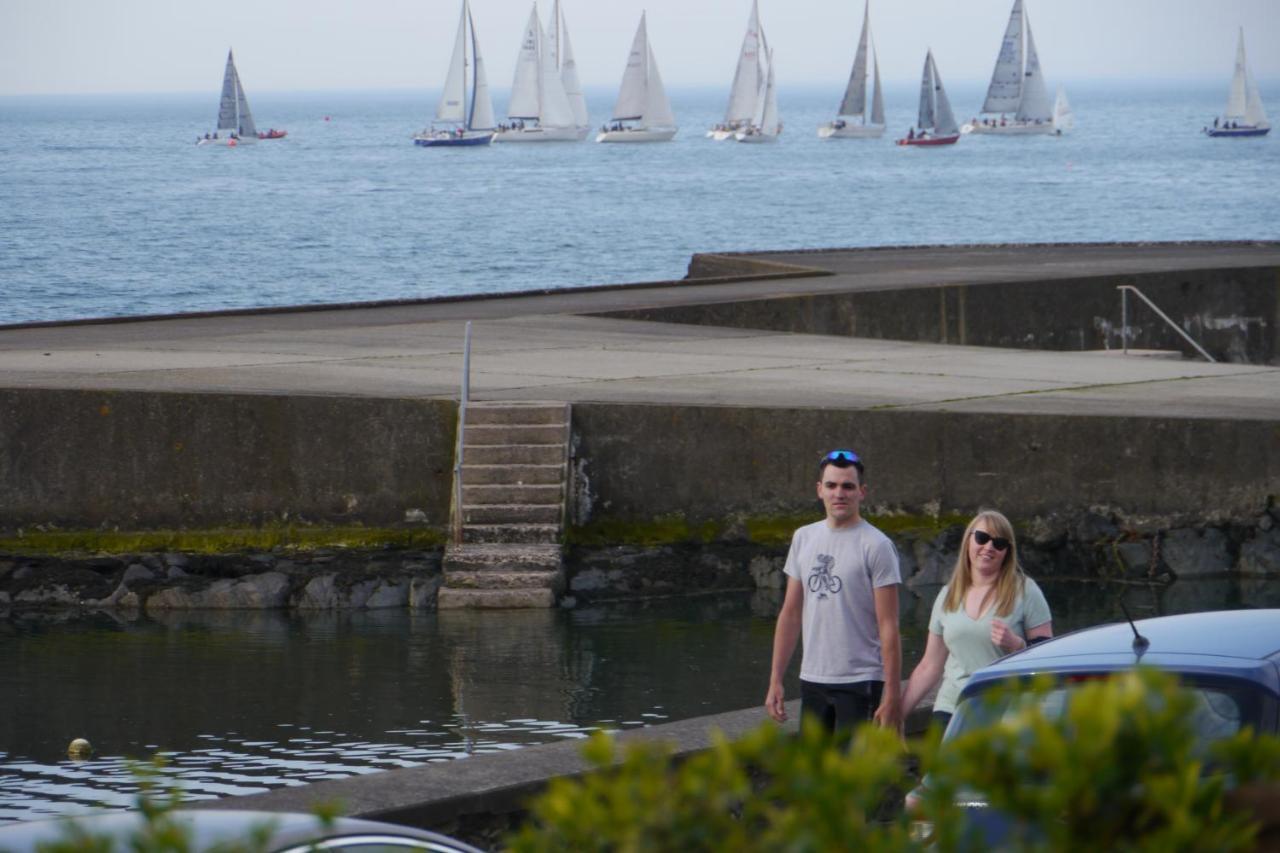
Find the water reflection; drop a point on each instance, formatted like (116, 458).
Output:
(240, 702)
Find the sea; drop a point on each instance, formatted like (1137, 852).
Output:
(108, 208)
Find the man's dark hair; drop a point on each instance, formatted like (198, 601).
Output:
(842, 463)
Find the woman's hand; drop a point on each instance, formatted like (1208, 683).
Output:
(1005, 638)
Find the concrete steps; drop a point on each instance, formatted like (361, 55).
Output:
(514, 486)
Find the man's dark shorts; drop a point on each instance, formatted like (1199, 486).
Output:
(840, 706)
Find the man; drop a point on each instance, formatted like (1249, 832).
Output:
(842, 594)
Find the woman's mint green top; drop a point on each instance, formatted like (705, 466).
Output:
(968, 640)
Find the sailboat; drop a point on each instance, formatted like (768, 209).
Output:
(765, 127)
(539, 109)
(1063, 117)
(1017, 85)
(1244, 115)
(469, 122)
(936, 124)
(235, 122)
(641, 98)
(749, 80)
(852, 120)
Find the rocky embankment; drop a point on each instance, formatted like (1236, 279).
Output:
(1220, 563)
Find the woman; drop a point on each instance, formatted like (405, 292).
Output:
(987, 610)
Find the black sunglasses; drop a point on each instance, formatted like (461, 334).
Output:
(982, 537)
(842, 456)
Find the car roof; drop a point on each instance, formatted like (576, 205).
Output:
(288, 830)
(1242, 644)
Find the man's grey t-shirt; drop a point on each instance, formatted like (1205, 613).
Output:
(839, 569)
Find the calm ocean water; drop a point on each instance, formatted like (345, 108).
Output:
(108, 208)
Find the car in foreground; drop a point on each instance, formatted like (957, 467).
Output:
(1228, 660)
(232, 830)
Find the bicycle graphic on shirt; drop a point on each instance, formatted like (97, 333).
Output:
(821, 580)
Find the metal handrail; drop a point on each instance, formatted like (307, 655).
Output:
(462, 430)
(1124, 320)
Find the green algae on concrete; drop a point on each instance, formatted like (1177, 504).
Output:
(216, 541)
(758, 530)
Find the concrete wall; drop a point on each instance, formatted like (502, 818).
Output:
(146, 460)
(708, 463)
(1234, 313)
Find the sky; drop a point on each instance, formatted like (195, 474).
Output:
(142, 46)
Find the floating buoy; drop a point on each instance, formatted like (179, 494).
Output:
(80, 748)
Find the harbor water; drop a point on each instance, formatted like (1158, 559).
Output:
(109, 208)
(241, 702)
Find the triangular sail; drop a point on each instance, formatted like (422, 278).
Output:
(569, 75)
(877, 100)
(925, 119)
(554, 109)
(946, 120)
(1034, 104)
(481, 102)
(1063, 118)
(769, 113)
(524, 86)
(1244, 103)
(748, 76)
(227, 103)
(632, 95)
(657, 110)
(1005, 90)
(1254, 113)
(453, 98)
(855, 94)
(246, 126)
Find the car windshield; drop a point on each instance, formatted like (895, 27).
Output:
(1219, 710)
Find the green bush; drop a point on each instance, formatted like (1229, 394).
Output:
(1121, 769)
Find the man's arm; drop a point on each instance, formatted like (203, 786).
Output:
(889, 714)
(785, 636)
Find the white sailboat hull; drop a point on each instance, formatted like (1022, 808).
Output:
(721, 134)
(743, 136)
(227, 141)
(637, 134)
(1014, 128)
(541, 134)
(851, 131)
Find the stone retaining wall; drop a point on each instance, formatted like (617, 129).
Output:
(1183, 568)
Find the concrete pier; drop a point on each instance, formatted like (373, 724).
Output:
(345, 415)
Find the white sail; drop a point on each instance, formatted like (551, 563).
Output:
(749, 76)
(524, 104)
(453, 98)
(769, 113)
(854, 102)
(227, 103)
(569, 71)
(657, 109)
(1244, 104)
(481, 102)
(554, 109)
(925, 118)
(946, 120)
(1005, 90)
(1063, 118)
(1035, 104)
(246, 126)
(877, 100)
(633, 93)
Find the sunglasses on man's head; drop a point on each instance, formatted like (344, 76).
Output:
(842, 456)
(982, 537)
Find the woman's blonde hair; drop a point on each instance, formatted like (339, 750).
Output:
(1008, 587)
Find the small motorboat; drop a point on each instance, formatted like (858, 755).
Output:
(272, 133)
